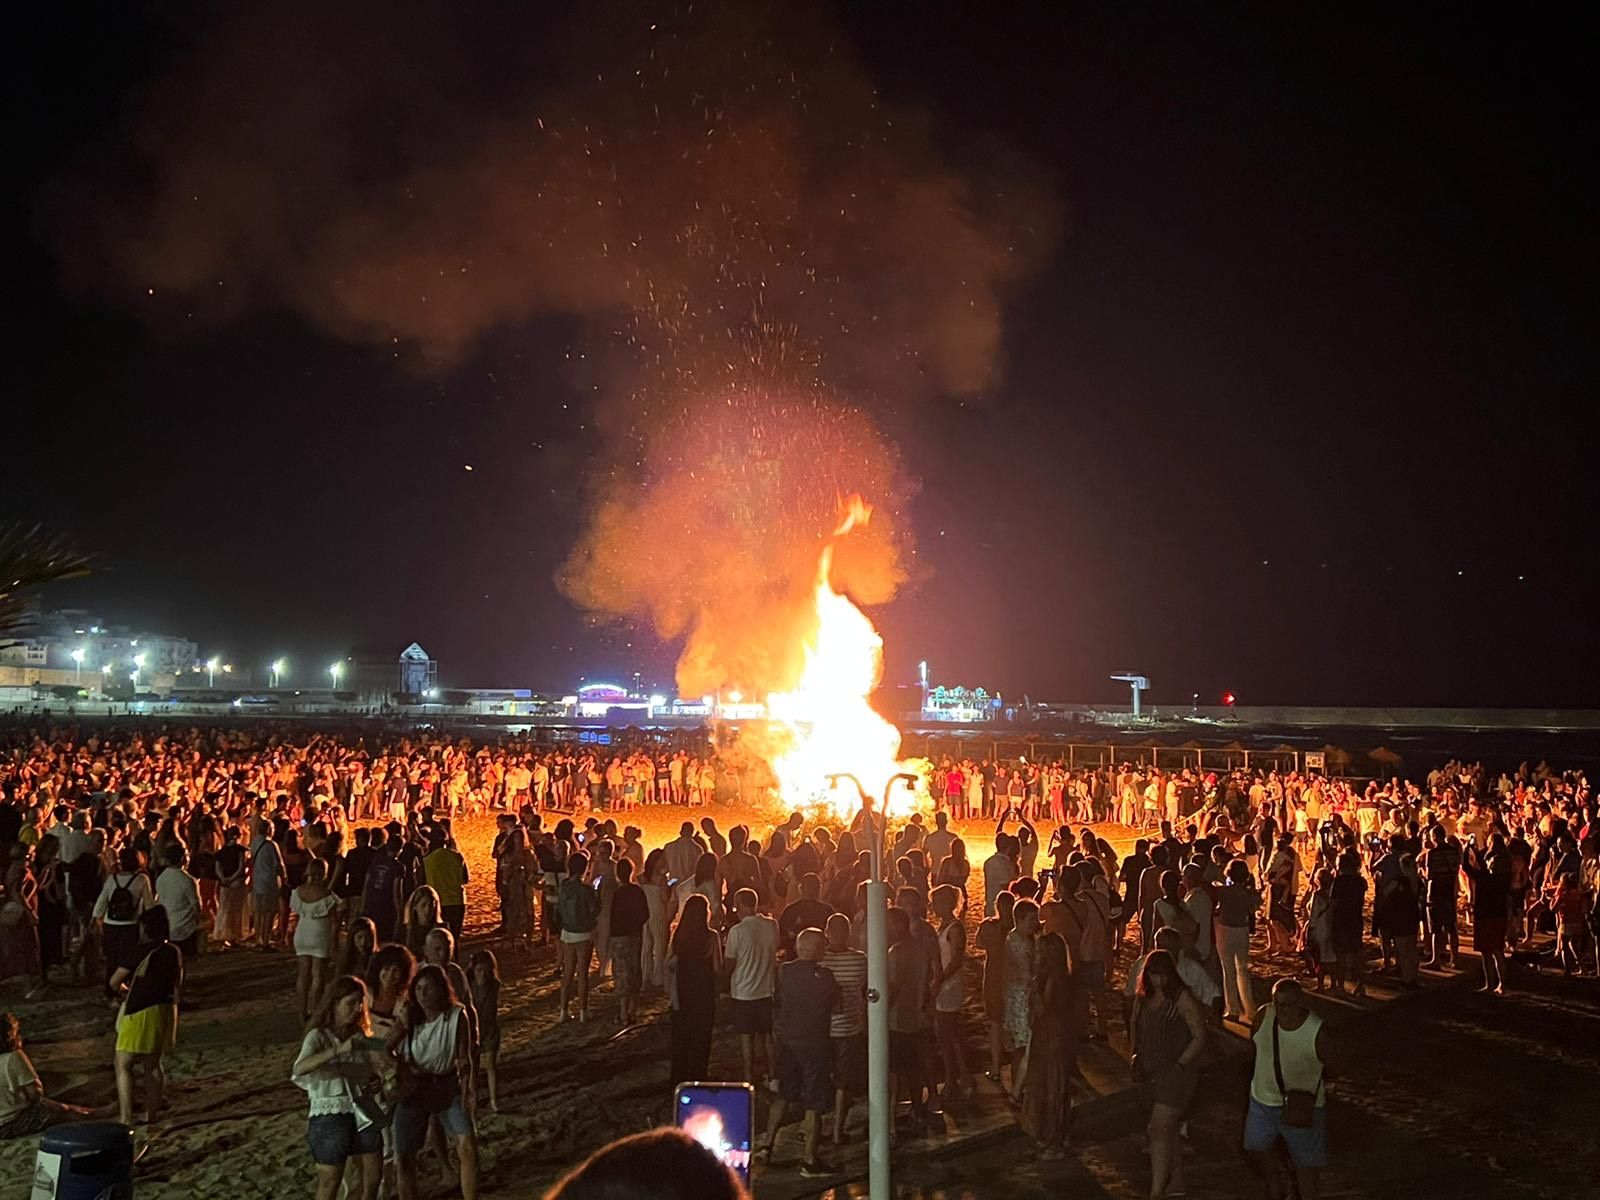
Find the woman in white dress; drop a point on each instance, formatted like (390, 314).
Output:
(315, 908)
(654, 948)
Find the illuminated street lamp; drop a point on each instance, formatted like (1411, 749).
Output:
(77, 664)
(212, 664)
(880, 1113)
(277, 670)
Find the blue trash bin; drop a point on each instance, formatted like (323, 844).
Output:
(89, 1160)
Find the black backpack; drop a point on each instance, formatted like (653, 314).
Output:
(122, 907)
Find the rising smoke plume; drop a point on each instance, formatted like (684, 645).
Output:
(761, 248)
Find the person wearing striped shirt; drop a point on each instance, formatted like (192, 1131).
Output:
(847, 1031)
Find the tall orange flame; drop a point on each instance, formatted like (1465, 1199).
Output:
(826, 723)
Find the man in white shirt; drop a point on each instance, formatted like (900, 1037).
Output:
(177, 892)
(1197, 901)
(999, 869)
(681, 854)
(752, 954)
(951, 991)
(71, 834)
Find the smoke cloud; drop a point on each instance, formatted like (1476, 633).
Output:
(762, 250)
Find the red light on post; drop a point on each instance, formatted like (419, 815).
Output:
(1228, 698)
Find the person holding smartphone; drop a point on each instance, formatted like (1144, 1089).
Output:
(334, 1065)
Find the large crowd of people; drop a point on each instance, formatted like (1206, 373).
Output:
(133, 848)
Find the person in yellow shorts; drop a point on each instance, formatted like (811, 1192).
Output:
(147, 1021)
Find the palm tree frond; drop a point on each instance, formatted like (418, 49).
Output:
(31, 556)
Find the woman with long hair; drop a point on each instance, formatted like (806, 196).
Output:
(579, 904)
(1316, 935)
(335, 1062)
(433, 1039)
(422, 915)
(1167, 1030)
(1020, 968)
(125, 894)
(294, 870)
(233, 892)
(653, 953)
(517, 870)
(955, 870)
(1046, 1102)
(483, 982)
(1237, 904)
(702, 883)
(24, 1108)
(355, 956)
(692, 969)
(840, 861)
(315, 909)
(388, 981)
(204, 842)
(1401, 899)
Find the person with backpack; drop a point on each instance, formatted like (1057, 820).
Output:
(123, 898)
(578, 901)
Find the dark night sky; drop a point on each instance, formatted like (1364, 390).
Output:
(1301, 407)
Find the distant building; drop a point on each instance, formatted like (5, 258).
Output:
(380, 678)
(419, 674)
(959, 704)
(602, 700)
(73, 646)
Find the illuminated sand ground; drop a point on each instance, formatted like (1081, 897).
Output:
(1433, 1076)
(236, 1125)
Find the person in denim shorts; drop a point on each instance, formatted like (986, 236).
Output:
(336, 1060)
(433, 1040)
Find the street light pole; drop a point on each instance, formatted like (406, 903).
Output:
(880, 1102)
